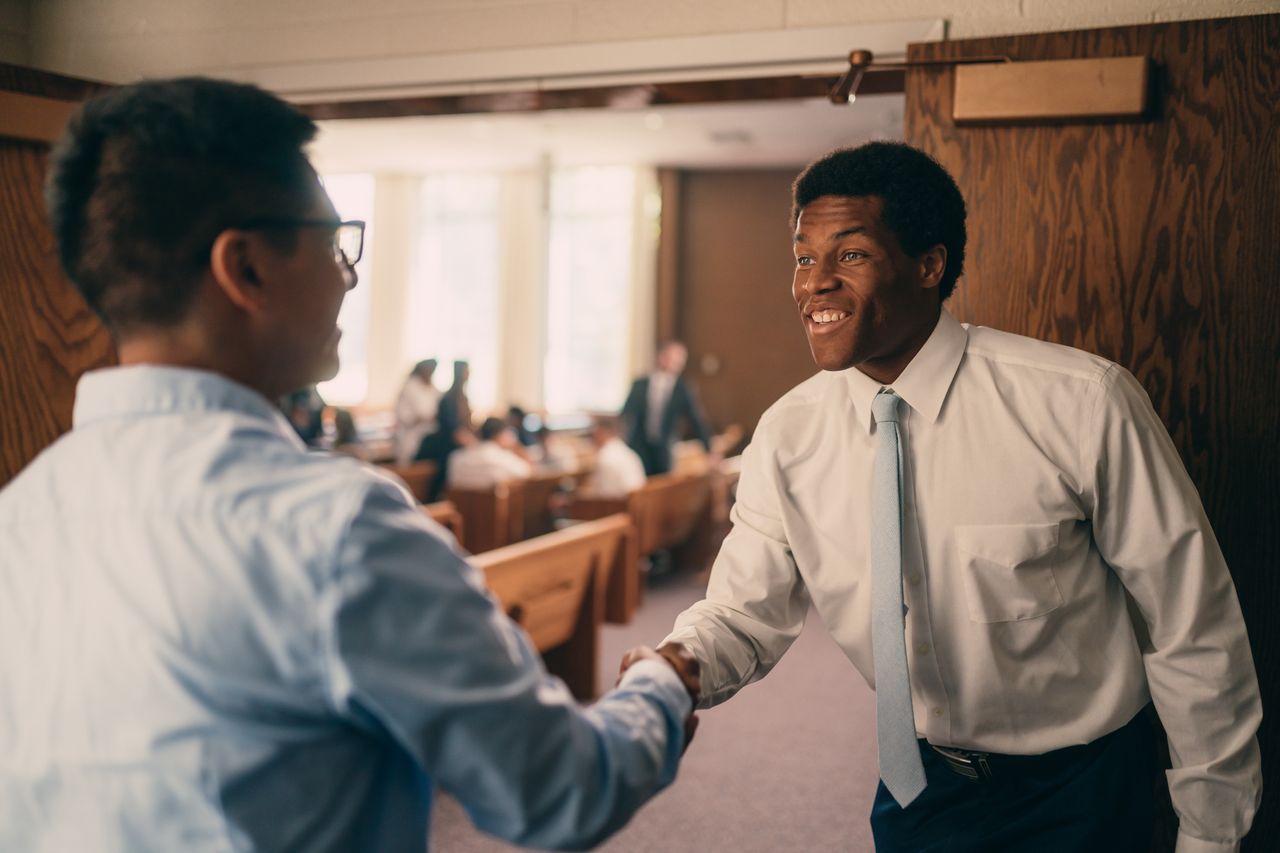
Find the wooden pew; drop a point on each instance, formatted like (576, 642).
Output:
(487, 515)
(552, 585)
(667, 512)
(535, 505)
(507, 512)
(447, 516)
(416, 475)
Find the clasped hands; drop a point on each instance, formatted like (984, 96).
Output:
(685, 665)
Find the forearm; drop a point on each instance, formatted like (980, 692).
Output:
(585, 772)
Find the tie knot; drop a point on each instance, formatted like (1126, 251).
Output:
(885, 406)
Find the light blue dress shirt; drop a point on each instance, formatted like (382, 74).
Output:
(212, 640)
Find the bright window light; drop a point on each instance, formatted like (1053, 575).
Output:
(589, 288)
(453, 310)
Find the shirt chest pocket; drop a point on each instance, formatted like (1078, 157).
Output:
(1008, 570)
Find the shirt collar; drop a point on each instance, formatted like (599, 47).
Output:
(925, 381)
(147, 389)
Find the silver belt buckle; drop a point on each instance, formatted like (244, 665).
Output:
(971, 765)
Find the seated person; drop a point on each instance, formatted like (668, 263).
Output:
(346, 437)
(554, 453)
(519, 419)
(490, 460)
(305, 411)
(619, 470)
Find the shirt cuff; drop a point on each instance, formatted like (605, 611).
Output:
(657, 677)
(1191, 844)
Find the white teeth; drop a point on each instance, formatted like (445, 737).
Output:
(827, 316)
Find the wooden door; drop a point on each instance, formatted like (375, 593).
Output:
(1155, 243)
(733, 305)
(48, 336)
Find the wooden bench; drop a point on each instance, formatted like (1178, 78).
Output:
(416, 475)
(553, 585)
(667, 512)
(447, 516)
(506, 512)
(487, 515)
(533, 511)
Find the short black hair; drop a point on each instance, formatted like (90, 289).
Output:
(922, 205)
(146, 176)
(492, 428)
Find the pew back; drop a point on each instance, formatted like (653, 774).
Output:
(447, 516)
(486, 514)
(552, 585)
(416, 475)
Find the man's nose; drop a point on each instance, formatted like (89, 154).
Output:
(821, 279)
(349, 272)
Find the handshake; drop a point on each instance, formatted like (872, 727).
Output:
(685, 665)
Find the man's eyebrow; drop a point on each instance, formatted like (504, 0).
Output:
(839, 235)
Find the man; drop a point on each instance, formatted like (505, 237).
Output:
(211, 639)
(491, 460)
(416, 410)
(618, 470)
(970, 512)
(655, 406)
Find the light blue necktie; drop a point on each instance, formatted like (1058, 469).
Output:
(900, 766)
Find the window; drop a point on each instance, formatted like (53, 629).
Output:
(589, 285)
(352, 197)
(453, 306)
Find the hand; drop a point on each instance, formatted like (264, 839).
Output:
(686, 666)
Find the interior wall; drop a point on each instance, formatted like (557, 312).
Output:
(126, 39)
(733, 305)
(15, 31)
(1152, 243)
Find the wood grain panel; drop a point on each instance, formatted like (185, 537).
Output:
(47, 333)
(1154, 244)
(734, 292)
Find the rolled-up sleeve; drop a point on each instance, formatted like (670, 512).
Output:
(417, 649)
(756, 602)
(1151, 528)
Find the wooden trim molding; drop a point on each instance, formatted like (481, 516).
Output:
(1051, 90)
(628, 97)
(33, 118)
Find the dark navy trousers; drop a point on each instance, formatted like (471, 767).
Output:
(1096, 798)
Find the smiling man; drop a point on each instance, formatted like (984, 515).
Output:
(213, 640)
(970, 512)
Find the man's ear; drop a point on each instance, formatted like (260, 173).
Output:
(933, 263)
(234, 261)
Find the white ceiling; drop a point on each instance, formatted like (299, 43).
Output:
(767, 134)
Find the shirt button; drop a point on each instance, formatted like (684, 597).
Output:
(913, 578)
(922, 648)
(937, 712)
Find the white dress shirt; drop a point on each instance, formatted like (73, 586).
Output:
(1039, 488)
(661, 384)
(485, 464)
(416, 410)
(212, 640)
(618, 471)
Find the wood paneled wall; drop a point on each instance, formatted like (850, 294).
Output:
(733, 305)
(1155, 243)
(48, 336)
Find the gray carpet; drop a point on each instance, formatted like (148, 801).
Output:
(789, 764)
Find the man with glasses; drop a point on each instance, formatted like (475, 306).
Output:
(213, 640)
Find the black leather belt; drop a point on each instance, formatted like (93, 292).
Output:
(967, 763)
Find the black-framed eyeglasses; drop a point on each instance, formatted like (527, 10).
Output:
(348, 234)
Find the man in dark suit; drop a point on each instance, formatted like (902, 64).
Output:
(656, 404)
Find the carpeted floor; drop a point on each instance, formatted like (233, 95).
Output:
(789, 764)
